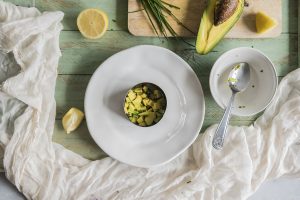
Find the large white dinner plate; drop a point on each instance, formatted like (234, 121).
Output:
(144, 146)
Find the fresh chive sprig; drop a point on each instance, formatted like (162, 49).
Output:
(157, 12)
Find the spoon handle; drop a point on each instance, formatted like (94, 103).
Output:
(219, 136)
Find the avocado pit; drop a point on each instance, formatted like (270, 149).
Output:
(224, 10)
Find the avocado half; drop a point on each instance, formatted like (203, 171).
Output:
(216, 22)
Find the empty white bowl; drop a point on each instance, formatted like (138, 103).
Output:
(262, 86)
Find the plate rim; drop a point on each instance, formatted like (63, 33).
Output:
(201, 121)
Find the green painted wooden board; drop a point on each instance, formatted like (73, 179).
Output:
(80, 58)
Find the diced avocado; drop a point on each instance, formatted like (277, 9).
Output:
(150, 118)
(131, 95)
(156, 106)
(141, 108)
(131, 108)
(158, 114)
(140, 119)
(150, 103)
(146, 101)
(144, 105)
(162, 102)
(138, 90)
(156, 94)
(132, 119)
(157, 120)
(137, 100)
(144, 113)
(126, 105)
(127, 100)
(142, 124)
(135, 113)
(145, 88)
(218, 18)
(161, 111)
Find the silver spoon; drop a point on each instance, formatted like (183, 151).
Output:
(238, 81)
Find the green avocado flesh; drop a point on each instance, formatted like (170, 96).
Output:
(209, 34)
(145, 104)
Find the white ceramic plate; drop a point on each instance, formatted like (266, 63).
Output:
(262, 87)
(144, 146)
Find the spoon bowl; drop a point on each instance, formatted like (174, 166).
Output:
(238, 81)
(239, 77)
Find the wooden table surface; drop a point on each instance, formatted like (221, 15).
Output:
(81, 57)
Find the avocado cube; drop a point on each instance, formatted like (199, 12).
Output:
(131, 95)
(138, 90)
(137, 101)
(140, 119)
(132, 119)
(145, 101)
(142, 124)
(150, 118)
(156, 106)
(131, 108)
(144, 113)
(156, 94)
(127, 100)
(145, 88)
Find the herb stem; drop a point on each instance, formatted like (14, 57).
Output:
(157, 12)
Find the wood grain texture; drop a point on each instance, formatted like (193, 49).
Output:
(117, 11)
(81, 57)
(190, 14)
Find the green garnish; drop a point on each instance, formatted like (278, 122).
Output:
(157, 11)
(232, 80)
(237, 67)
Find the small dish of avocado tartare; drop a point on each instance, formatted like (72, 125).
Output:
(145, 104)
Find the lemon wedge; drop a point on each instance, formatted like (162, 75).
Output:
(264, 22)
(92, 23)
(72, 119)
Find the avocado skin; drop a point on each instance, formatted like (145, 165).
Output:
(208, 28)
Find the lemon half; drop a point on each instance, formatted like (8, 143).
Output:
(92, 23)
(72, 119)
(264, 22)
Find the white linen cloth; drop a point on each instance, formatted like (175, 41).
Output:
(41, 169)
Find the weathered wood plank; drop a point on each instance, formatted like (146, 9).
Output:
(82, 143)
(117, 11)
(83, 56)
(79, 141)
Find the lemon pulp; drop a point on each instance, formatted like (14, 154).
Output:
(72, 119)
(92, 23)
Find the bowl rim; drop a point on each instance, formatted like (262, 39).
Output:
(214, 94)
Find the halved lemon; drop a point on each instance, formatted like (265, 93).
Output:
(264, 22)
(92, 23)
(72, 119)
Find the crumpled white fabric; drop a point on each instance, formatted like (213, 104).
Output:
(41, 169)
